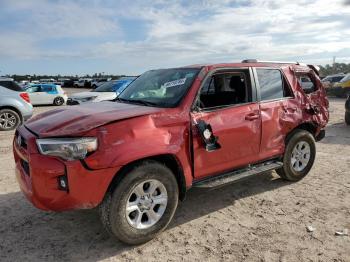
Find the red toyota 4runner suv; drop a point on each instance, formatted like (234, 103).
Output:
(170, 130)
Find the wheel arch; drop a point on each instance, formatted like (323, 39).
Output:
(14, 109)
(307, 126)
(168, 160)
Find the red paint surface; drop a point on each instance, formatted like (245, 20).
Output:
(126, 133)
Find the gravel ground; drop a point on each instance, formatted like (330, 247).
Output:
(260, 219)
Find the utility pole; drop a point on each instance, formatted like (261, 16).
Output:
(334, 57)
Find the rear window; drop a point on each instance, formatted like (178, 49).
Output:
(11, 85)
(271, 84)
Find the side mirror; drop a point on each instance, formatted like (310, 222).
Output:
(210, 141)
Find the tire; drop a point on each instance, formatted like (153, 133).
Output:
(346, 93)
(58, 101)
(122, 223)
(347, 118)
(76, 86)
(9, 120)
(93, 86)
(300, 168)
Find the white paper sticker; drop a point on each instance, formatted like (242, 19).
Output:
(178, 82)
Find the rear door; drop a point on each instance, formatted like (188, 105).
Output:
(49, 93)
(278, 110)
(226, 102)
(34, 94)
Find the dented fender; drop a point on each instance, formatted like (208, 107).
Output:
(124, 142)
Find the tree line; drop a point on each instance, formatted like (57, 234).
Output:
(324, 71)
(73, 77)
(334, 69)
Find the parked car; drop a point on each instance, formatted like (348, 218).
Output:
(62, 81)
(69, 82)
(106, 92)
(99, 81)
(46, 94)
(15, 107)
(83, 82)
(168, 131)
(47, 81)
(329, 81)
(347, 111)
(342, 89)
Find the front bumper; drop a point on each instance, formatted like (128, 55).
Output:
(72, 102)
(38, 175)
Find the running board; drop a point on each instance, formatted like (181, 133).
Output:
(236, 175)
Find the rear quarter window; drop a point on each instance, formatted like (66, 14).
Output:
(307, 83)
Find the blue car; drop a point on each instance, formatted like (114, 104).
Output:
(105, 92)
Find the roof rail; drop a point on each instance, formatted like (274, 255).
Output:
(268, 62)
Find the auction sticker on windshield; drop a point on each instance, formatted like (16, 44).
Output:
(178, 82)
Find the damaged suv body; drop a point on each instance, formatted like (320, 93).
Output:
(170, 130)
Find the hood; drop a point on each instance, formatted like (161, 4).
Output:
(82, 95)
(78, 119)
(99, 95)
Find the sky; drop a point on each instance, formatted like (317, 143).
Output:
(70, 37)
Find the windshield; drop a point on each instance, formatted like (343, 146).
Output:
(113, 86)
(162, 88)
(345, 79)
(106, 87)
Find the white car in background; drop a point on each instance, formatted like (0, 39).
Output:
(46, 94)
(83, 82)
(106, 92)
(99, 81)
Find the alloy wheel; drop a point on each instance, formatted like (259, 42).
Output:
(300, 156)
(146, 204)
(7, 120)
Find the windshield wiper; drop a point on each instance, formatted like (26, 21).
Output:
(121, 100)
(142, 102)
(135, 101)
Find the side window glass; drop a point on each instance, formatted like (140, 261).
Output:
(307, 84)
(35, 89)
(271, 84)
(224, 89)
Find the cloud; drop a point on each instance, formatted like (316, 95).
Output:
(178, 32)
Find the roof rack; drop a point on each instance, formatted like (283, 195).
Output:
(269, 62)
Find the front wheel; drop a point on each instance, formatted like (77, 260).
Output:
(142, 205)
(299, 156)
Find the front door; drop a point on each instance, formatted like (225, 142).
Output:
(227, 103)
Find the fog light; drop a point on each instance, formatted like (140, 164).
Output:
(63, 183)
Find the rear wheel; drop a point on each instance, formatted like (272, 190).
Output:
(9, 119)
(142, 205)
(299, 156)
(58, 101)
(347, 118)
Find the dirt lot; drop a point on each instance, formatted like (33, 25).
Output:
(261, 219)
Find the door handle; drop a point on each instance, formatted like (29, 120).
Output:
(252, 116)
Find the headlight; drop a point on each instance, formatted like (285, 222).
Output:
(67, 148)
